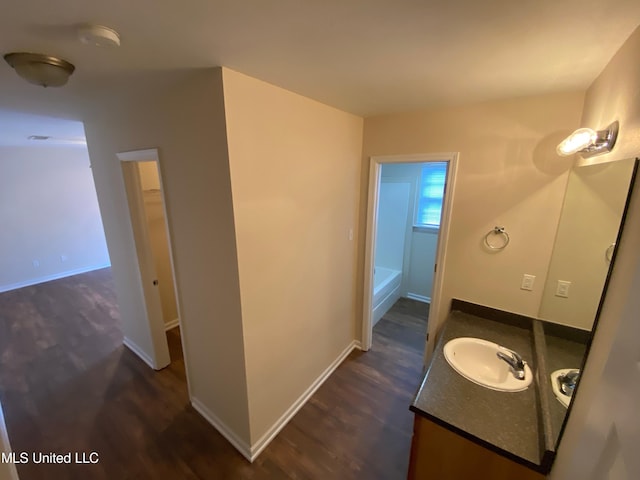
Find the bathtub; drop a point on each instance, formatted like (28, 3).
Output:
(386, 291)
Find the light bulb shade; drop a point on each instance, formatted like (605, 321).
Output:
(581, 138)
(43, 70)
(588, 142)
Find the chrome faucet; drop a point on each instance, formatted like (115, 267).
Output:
(514, 360)
(568, 381)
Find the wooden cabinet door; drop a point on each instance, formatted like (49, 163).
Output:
(439, 454)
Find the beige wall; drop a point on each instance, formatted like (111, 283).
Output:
(185, 120)
(508, 175)
(295, 166)
(593, 206)
(615, 94)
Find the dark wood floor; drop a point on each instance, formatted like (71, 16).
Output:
(67, 384)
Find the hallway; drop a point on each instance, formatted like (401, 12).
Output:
(67, 384)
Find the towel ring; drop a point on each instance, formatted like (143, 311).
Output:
(497, 231)
(608, 254)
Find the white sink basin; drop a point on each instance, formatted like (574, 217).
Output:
(476, 360)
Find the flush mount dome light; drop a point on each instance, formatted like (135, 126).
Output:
(39, 69)
(588, 142)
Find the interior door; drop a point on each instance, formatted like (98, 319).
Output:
(146, 263)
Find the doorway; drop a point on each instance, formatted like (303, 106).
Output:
(408, 220)
(145, 198)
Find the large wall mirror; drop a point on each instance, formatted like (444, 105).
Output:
(590, 223)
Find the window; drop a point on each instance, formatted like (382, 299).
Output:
(430, 194)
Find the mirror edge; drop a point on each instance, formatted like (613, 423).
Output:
(605, 288)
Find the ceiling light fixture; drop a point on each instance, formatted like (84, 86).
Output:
(98, 36)
(588, 142)
(39, 69)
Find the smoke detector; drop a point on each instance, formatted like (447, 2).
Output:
(98, 36)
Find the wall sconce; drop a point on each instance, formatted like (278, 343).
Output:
(44, 70)
(588, 142)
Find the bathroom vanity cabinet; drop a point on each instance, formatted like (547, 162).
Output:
(463, 430)
(438, 453)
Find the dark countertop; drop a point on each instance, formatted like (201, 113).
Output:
(506, 422)
(561, 353)
(523, 426)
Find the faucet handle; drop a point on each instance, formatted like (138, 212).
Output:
(518, 362)
(514, 360)
(568, 381)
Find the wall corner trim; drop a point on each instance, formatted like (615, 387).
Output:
(133, 346)
(262, 443)
(223, 429)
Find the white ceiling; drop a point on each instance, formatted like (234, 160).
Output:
(363, 56)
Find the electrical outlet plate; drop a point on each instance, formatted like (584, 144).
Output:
(527, 282)
(562, 289)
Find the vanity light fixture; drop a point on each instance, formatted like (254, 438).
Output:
(39, 69)
(588, 142)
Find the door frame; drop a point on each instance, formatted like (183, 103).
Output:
(146, 265)
(7, 470)
(375, 170)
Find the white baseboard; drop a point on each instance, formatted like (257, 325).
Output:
(131, 345)
(262, 443)
(225, 431)
(49, 278)
(357, 344)
(172, 324)
(252, 452)
(419, 298)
